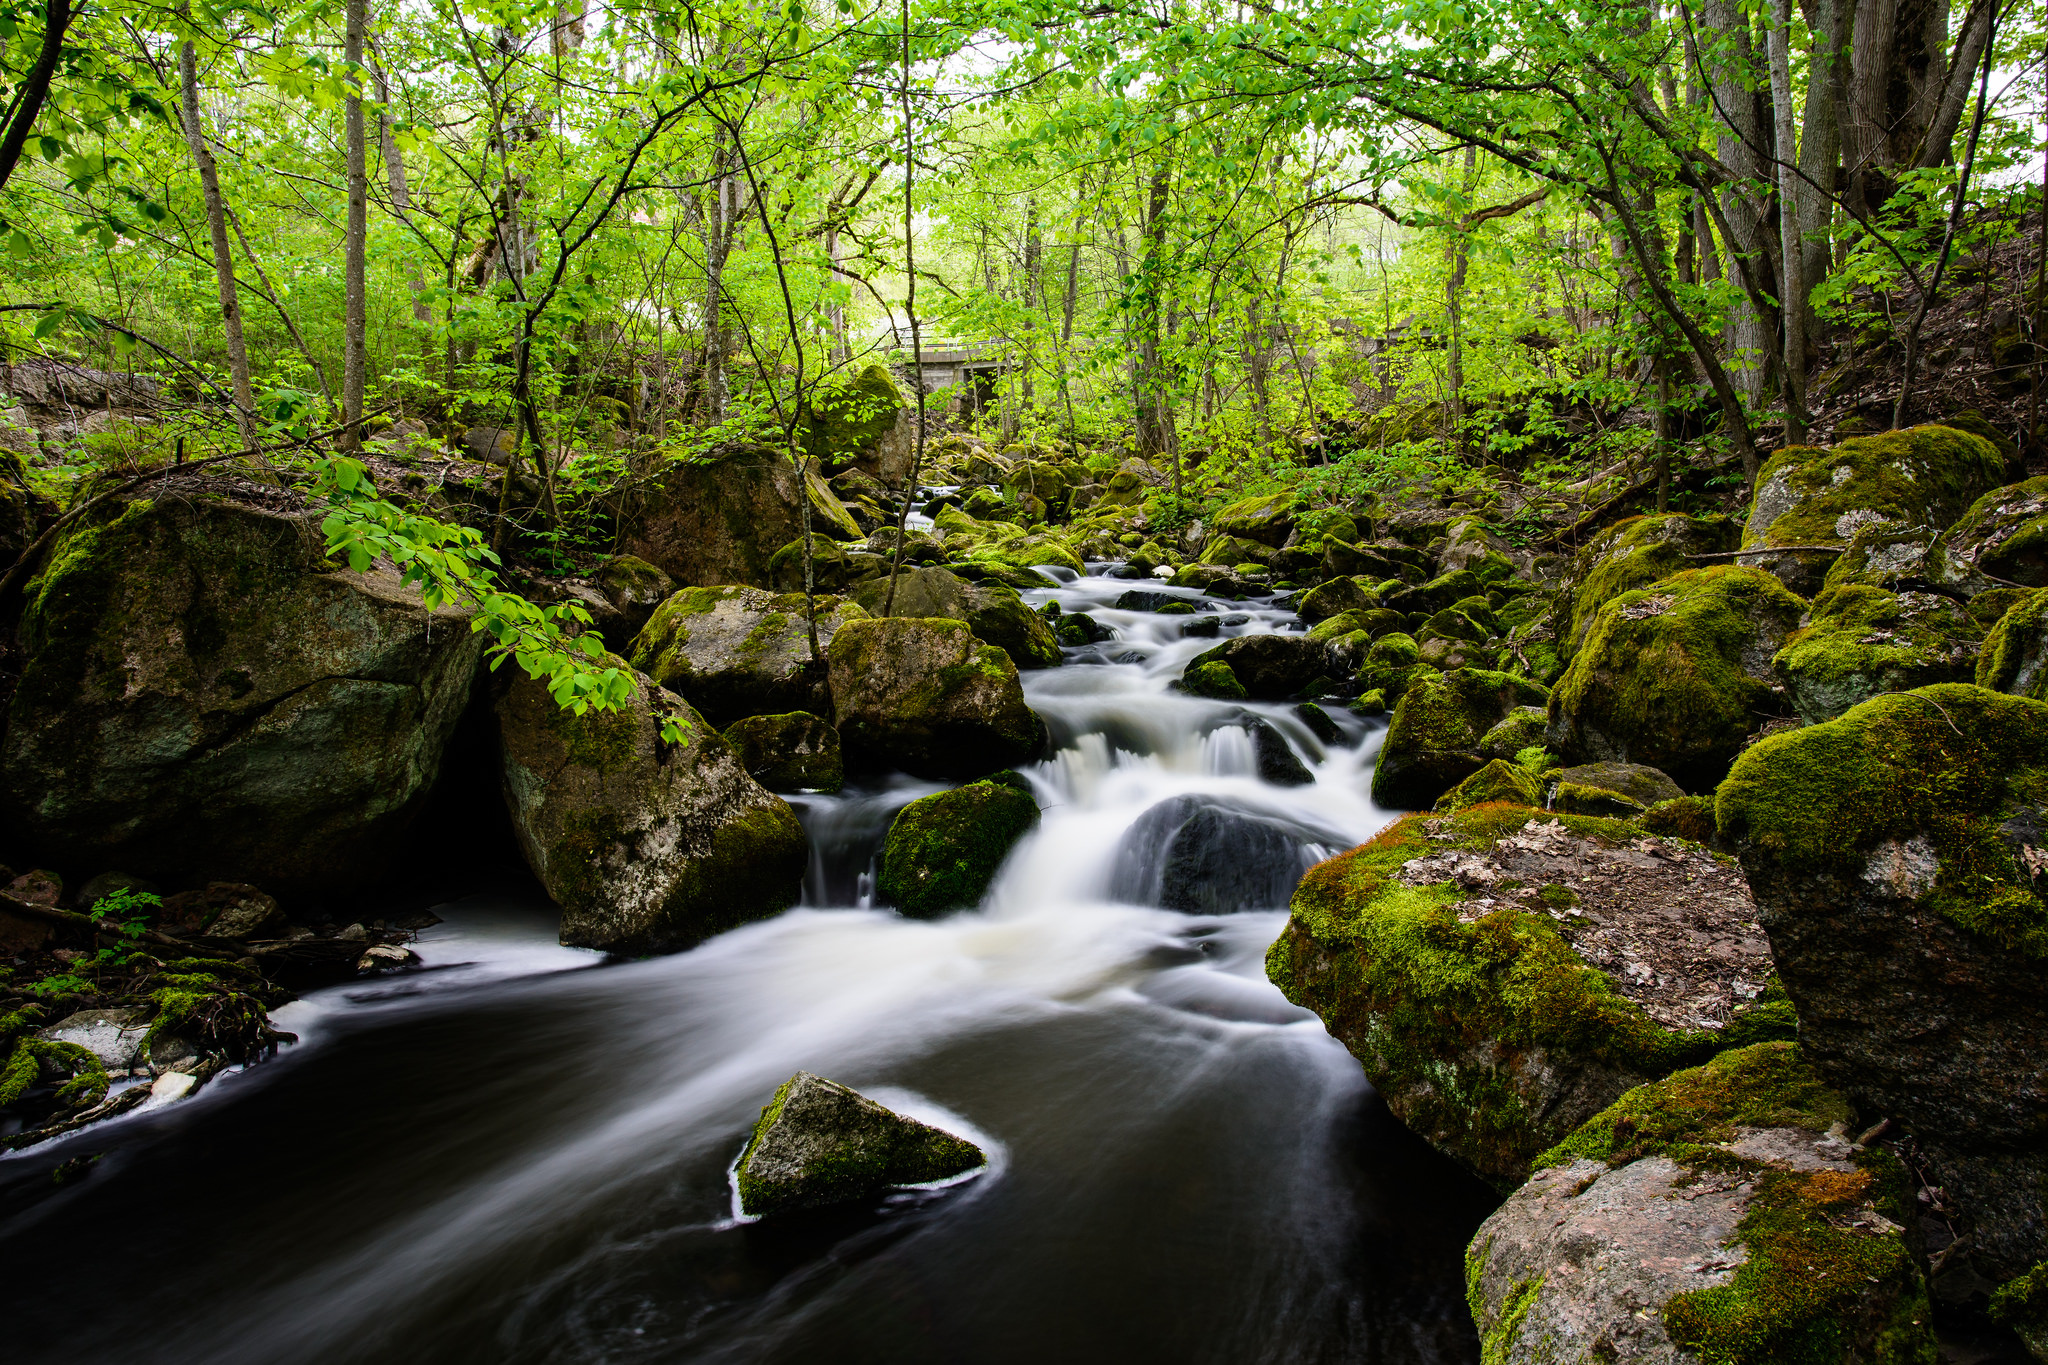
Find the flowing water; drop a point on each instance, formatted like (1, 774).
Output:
(522, 1153)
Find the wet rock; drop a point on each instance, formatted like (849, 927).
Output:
(2014, 658)
(1270, 667)
(1900, 858)
(1923, 476)
(1860, 641)
(634, 588)
(206, 695)
(943, 850)
(1216, 580)
(1503, 975)
(1214, 679)
(1202, 628)
(723, 521)
(1438, 593)
(739, 651)
(1205, 855)
(1675, 675)
(1708, 1217)
(819, 1143)
(994, 612)
(923, 695)
(795, 751)
(1276, 759)
(1319, 723)
(646, 845)
(225, 910)
(112, 1035)
(1229, 552)
(1077, 629)
(1433, 742)
(2005, 533)
(1336, 597)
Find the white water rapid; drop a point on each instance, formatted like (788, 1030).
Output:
(521, 1153)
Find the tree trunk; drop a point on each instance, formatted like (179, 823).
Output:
(1741, 143)
(34, 89)
(355, 326)
(1154, 407)
(223, 259)
(1792, 297)
(401, 196)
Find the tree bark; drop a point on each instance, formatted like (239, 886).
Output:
(355, 327)
(1792, 295)
(223, 259)
(35, 86)
(1154, 407)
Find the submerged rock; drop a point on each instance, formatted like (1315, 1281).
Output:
(1205, 855)
(736, 651)
(646, 845)
(944, 849)
(204, 694)
(1435, 739)
(1675, 675)
(1503, 975)
(1900, 860)
(819, 1143)
(792, 752)
(924, 695)
(1712, 1216)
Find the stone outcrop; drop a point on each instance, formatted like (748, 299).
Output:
(738, 651)
(721, 521)
(819, 1143)
(646, 845)
(205, 695)
(922, 694)
(1900, 860)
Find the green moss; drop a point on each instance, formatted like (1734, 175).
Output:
(849, 416)
(2014, 658)
(1926, 475)
(1682, 817)
(1495, 1345)
(2021, 1303)
(2007, 532)
(1434, 740)
(1948, 764)
(1661, 676)
(1862, 640)
(1213, 679)
(1637, 552)
(1497, 781)
(943, 850)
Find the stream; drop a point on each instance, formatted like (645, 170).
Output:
(521, 1153)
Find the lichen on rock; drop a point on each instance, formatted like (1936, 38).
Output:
(819, 1143)
(736, 651)
(922, 694)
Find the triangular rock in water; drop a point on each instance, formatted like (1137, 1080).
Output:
(820, 1143)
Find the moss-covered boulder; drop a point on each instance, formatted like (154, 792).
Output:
(722, 521)
(1391, 663)
(1337, 597)
(1434, 741)
(1228, 551)
(1029, 552)
(203, 694)
(1923, 476)
(861, 422)
(1622, 790)
(2005, 533)
(792, 752)
(1503, 974)
(1269, 520)
(1860, 641)
(1898, 558)
(2015, 654)
(2021, 1304)
(994, 612)
(739, 651)
(1438, 593)
(1521, 729)
(1499, 781)
(922, 694)
(634, 588)
(1214, 679)
(1675, 675)
(943, 850)
(1270, 667)
(1900, 859)
(646, 845)
(819, 1143)
(1712, 1216)
(1637, 552)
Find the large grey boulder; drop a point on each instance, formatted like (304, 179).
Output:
(993, 611)
(722, 521)
(1899, 856)
(205, 694)
(737, 651)
(646, 845)
(819, 1143)
(922, 694)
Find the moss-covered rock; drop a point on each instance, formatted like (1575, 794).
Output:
(1028, 552)
(819, 1143)
(1228, 551)
(1923, 476)
(1682, 817)
(1675, 675)
(1895, 557)
(646, 845)
(1521, 729)
(1492, 971)
(1439, 724)
(943, 850)
(1860, 641)
(1214, 680)
(2005, 533)
(792, 752)
(995, 613)
(1898, 855)
(202, 694)
(1499, 781)
(2015, 654)
(1637, 552)
(861, 422)
(722, 521)
(2022, 1305)
(1438, 593)
(1270, 667)
(1640, 785)
(1269, 520)
(922, 694)
(1337, 597)
(1711, 1216)
(740, 651)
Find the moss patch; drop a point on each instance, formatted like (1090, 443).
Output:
(1862, 640)
(943, 850)
(2015, 654)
